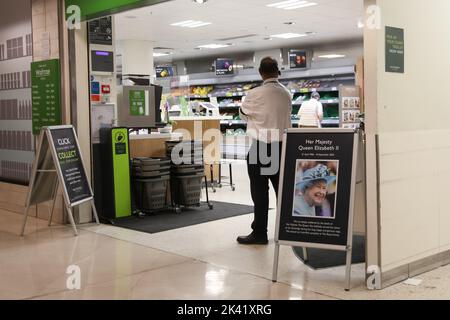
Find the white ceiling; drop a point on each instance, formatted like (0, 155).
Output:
(331, 20)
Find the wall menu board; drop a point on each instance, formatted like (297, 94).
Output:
(71, 165)
(224, 67)
(46, 94)
(395, 50)
(100, 31)
(317, 187)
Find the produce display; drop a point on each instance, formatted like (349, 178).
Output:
(303, 84)
(229, 98)
(230, 102)
(201, 91)
(325, 96)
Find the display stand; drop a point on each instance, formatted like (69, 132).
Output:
(311, 157)
(59, 162)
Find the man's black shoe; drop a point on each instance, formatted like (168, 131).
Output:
(253, 239)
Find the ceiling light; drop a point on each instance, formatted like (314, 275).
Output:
(190, 24)
(332, 56)
(292, 4)
(288, 35)
(161, 54)
(360, 24)
(200, 1)
(214, 46)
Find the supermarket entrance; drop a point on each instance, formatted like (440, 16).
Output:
(200, 67)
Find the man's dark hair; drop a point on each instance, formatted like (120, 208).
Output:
(269, 67)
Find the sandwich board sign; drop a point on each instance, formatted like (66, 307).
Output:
(59, 162)
(317, 192)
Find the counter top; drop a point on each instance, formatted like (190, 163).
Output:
(200, 118)
(154, 136)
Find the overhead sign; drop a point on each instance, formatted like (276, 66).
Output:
(99, 8)
(298, 59)
(59, 162)
(46, 94)
(317, 190)
(164, 72)
(395, 50)
(224, 67)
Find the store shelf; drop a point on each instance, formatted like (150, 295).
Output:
(233, 122)
(253, 76)
(306, 90)
(228, 92)
(331, 122)
(311, 90)
(234, 95)
(324, 102)
(197, 97)
(231, 106)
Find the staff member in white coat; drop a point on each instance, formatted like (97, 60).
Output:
(311, 113)
(267, 110)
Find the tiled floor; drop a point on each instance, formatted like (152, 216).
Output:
(199, 262)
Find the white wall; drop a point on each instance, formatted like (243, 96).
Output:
(137, 57)
(412, 121)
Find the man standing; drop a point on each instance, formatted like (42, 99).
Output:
(267, 110)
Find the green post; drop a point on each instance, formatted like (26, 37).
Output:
(121, 165)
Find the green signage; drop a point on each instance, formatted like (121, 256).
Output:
(122, 180)
(395, 50)
(46, 94)
(137, 103)
(91, 9)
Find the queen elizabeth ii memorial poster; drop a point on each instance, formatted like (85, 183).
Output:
(317, 182)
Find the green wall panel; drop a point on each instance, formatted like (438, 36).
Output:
(91, 9)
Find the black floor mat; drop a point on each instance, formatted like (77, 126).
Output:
(322, 259)
(168, 220)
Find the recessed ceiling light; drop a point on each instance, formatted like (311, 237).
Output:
(332, 56)
(190, 24)
(288, 35)
(161, 54)
(292, 4)
(214, 46)
(200, 1)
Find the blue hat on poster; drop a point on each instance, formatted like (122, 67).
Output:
(318, 173)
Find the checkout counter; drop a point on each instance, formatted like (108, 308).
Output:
(151, 145)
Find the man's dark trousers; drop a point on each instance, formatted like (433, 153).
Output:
(257, 159)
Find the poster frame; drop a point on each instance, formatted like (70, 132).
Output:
(349, 247)
(46, 133)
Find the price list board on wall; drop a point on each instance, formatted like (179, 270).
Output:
(46, 94)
